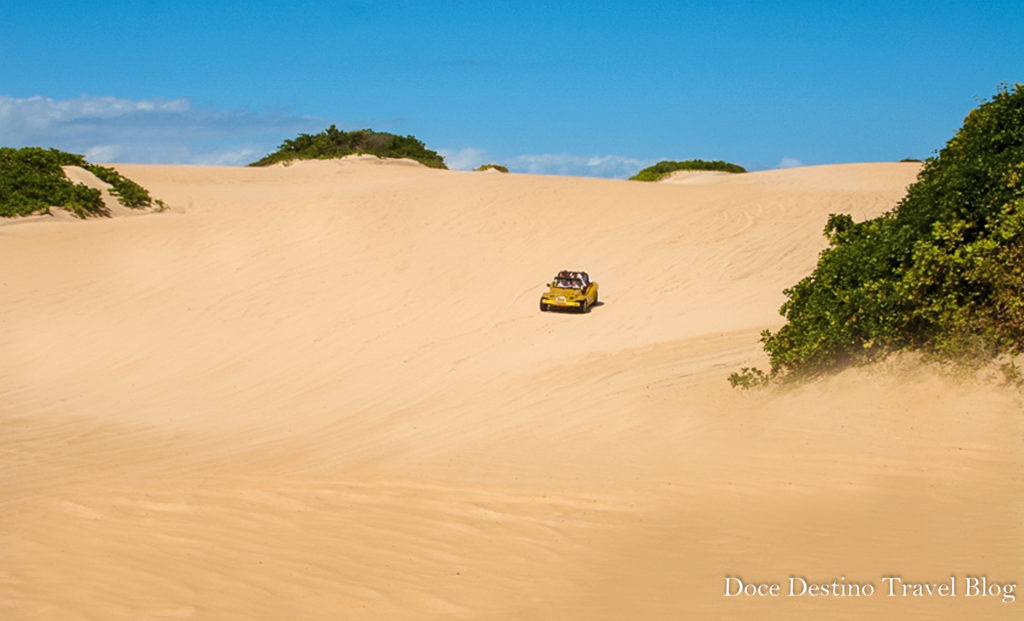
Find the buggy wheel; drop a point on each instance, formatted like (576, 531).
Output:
(543, 306)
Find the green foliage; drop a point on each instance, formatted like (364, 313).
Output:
(1012, 374)
(910, 159)
(32, 181)
(749, 378)
(334, 143)
(666, 167)
(497, 167)
(943, 272)
(128, 193)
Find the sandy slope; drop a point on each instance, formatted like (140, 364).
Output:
(695, 176)
(324, 391)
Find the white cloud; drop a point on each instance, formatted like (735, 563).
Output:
(102, 153)
(228, 157)
(112, 129)
(108, 129)
(615, 166)
(790, 162)
(32, 114)
(464, 159)
(567, 164)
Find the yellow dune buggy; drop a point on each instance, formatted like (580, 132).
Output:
(570, 290)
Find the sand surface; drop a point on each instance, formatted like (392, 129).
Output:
(695, 176)
(325, 391)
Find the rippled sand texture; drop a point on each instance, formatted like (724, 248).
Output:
(325, 391)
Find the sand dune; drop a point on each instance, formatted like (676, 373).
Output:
(324, 391)
(695, 176)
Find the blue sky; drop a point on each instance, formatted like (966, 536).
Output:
(582, 88)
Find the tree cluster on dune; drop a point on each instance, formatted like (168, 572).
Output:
(497, 167)
(941, 273)
(334, 143)
(666, 167)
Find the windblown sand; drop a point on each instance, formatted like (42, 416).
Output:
(325, 391)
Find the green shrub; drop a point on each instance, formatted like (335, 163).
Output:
(32, 181)
(333, 143)
(128, 193)
(497, 167)
(748, 378)
(667, 167)
(943, 272)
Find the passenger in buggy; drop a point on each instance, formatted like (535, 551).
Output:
(582, 278)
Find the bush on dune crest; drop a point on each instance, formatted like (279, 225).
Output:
(942, 273)
(497, 167)
(334, 143)
(667, 167)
